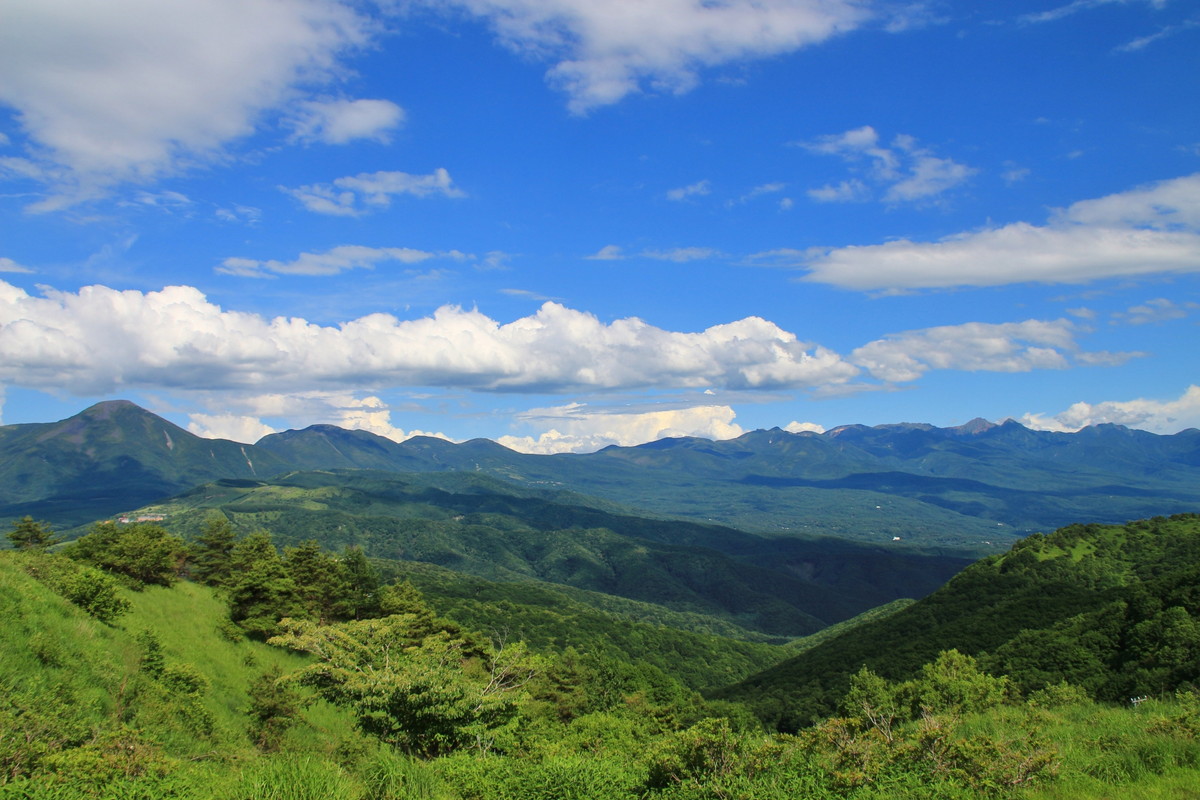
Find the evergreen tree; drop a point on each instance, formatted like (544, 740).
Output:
(364, 584)
(322, 582)
(211, 553)
(261, 591)
(30, 535)
(274, 708)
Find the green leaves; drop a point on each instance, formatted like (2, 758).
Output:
(424, 692)
(141, 553)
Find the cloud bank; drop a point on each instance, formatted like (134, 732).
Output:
(576, 428)
(1158, 416)
(1153, 229)
(100, 340)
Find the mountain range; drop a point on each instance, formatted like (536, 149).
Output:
(970, 489)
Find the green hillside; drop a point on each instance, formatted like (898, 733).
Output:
(486, 528)
(167, 699)
(1110, 608)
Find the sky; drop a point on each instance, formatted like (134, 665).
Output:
(565, 224)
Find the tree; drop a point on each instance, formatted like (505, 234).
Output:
(142, 553)
(30, 535)
(274, 708)
(364, 584)
(212, 552)
(426, 695)
(321, 582)
(261, 591)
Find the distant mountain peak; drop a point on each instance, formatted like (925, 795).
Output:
(975, 426)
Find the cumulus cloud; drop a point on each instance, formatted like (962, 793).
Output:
(356, 195)
(605, 51)
(1157, 416)
(1149, 230)
(905, 171)
(978, 346)
(345, 410)
(229, 426)
(331, 262)
(100, 340)
(803, 427)
(132, 90)
(577, 428)
(343, 121)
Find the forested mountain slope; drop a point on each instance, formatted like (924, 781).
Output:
(1114, 609)
(973, 488)
(785, 587)
(111, 457)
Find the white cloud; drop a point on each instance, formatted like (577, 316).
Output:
(1149, 230)
(229, 426)
(682, 254)
(759, 191)
(132, 90)
(607, 50)
(850, 191)
(373, 415)
(343, 121)
(803, 427)
(576, 428)
(100, 340)
(8, 265)
(610, 252)
(355, 195)
(1082, 5)
(1142, 42)
(343, 409)
(331, 262)
(1157, 416)
(978, 346)
(1157, 310)
(905, 170)
(697, 189)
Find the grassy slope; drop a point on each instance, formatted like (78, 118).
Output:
(51, 651)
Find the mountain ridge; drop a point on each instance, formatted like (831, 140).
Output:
(958, 488)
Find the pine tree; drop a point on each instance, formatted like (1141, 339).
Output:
(30, 535)
(212, 552)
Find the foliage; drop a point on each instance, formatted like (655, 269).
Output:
(141, 553)
(210, 558)
(30, 535)
(424, 692)
(261, 591)
(1112, 609)
(274, 708)
(160, 709)
(87, 587)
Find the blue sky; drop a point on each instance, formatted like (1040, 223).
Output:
(563, 224)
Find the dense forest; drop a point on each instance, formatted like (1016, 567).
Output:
(137, 663)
